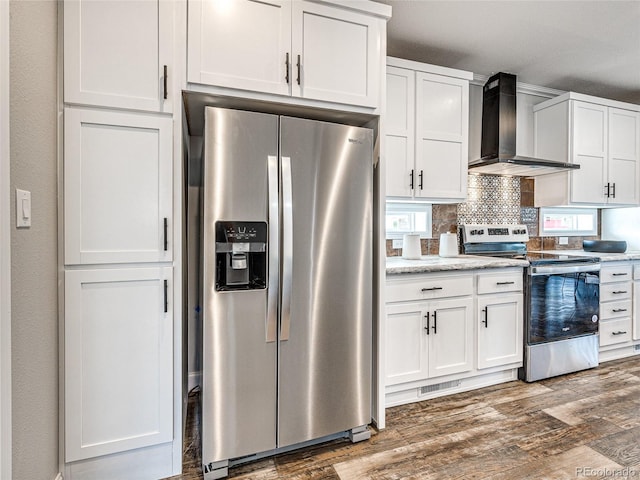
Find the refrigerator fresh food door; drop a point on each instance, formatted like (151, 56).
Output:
(239, 358)
(325, 329)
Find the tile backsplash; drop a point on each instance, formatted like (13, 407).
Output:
(491, 199)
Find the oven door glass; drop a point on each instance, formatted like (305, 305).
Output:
(563, 305)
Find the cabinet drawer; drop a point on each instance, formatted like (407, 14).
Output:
(615, 274)
(615, 291)
(500, 282)
(615, 331)
(428, 287)
(615, 309)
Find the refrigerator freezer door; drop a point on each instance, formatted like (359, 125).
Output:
(325, 364)
(239, 363)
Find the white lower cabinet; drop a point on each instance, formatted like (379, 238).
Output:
(500, 319)
(615, 306)
(436, 340)
(428, 339)
(500, 330)
(118, 360)
(636, 302)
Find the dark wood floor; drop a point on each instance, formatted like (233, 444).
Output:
(582, 425)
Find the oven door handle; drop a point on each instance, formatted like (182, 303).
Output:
(555, 270)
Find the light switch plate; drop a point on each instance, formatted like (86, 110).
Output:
(23, 208)
(563, 240)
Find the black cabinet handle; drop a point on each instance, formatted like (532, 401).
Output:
(505, 283)
(298, 65)
(286, 63)
(618, 310)
(486, 317)
(435, 323)
(607, 194)
(411, 182)
(165, 82)
(166, 238)
(613, 187)
(427, 327)
(421, 178)
(618, 333)
(618, 292)
(166, 296)
(431, 289)
(617, 274)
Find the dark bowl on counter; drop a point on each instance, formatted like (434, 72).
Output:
(604, 246)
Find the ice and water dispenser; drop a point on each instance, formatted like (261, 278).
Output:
(241, 255)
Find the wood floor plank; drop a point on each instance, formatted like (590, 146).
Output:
(517, 430)
(622, 447)
(567, 465)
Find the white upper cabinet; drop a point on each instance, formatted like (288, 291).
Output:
(117, 187)
(427, 123)
(119, 54)
(603, 137)
(317, 51)
(241, 44)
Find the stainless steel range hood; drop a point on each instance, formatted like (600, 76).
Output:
(498, 147)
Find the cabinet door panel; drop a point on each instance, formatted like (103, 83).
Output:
(115, 53)
(117, 187)
(442, 128)
(240, 44)
(590, 152)
(340, 54)
(500, 326)
(450, 337)
(443, 173)
(118, 361)
(400, 138)
(624, 156)
(406, 359)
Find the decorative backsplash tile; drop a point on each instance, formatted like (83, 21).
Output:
(491, 199)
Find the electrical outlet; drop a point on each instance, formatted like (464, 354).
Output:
(563, 240)
(396, 243)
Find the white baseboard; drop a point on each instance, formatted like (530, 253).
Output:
(195, 379)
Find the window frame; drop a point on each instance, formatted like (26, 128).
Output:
(568, 211)
(412, 208)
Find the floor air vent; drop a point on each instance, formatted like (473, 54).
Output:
(440, 386)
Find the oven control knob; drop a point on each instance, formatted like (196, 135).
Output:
(480, 232)
(473, 232)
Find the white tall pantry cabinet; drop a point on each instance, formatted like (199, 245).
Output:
(119, 238)
(126, 64)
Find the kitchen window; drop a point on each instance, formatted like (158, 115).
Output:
(567, 222)
(404, 218)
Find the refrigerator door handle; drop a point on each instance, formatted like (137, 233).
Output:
(287, 248)
(273, 250)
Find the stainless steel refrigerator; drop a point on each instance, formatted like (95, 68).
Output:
(287, 283)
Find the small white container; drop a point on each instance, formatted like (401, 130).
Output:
(448, 245)
(411, 246)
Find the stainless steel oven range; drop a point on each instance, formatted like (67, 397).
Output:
(562, 300)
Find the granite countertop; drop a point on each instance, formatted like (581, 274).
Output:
(434, 263)
(604, 257)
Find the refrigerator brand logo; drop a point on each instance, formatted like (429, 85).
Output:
(355, 140)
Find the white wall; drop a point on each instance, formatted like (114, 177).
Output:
(34, 276)
(5, 251)
(622, 224)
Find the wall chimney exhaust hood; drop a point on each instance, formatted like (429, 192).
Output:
(498, 146)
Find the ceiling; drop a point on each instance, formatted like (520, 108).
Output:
(590, 47)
